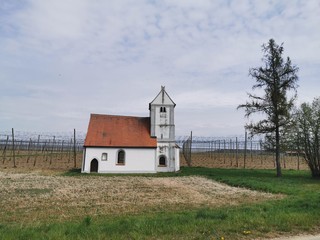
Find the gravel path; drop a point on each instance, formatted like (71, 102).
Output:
(302, 237)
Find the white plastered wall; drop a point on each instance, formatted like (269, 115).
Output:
(137, 160)
(171, 152)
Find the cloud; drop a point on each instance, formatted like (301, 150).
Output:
(208, 98)
(62, 60)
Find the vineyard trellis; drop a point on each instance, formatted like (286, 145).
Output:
(47, 151)
(237, 152)
(65, 151)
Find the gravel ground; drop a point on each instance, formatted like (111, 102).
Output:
(301, 237)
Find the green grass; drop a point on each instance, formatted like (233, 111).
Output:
(297, 212)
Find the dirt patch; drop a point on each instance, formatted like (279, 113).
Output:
(31, 197)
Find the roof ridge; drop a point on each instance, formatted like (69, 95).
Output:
(113, 115)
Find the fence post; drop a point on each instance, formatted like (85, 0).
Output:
(13, 150)
(260, 146)
(35, 159)
(237, 163)
(190, 149)
(61, 154)
(38, 143)
(74, 148)
(51, 154)
(47, 150)
(29, 146)
(224, 151)
(251, 151)
(37, 151)
(4, 150)
(214, 148)
(245, 150)
(219, 151)
(231, 151)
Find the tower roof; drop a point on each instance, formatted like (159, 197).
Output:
(162, 98)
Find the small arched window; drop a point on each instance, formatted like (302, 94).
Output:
(162, 161)
(121, 157)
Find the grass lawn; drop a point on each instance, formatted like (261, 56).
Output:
(298, 211)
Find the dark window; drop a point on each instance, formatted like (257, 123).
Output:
(121, 157)
(163, 109)
(162, 161)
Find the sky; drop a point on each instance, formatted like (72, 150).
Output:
(62, 60)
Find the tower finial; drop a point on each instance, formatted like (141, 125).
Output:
(162, 91)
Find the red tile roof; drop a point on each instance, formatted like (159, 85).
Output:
(119, 131)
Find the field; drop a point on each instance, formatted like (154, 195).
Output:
(32, 197)
(36, 159)
(197, 203)
(26, 150)
(233, 160)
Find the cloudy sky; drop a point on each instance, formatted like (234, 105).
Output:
(62, 60)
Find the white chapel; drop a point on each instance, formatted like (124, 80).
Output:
(128, 144)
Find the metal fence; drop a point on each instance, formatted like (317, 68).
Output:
(30, 149)
(64, 150)
(238, 151)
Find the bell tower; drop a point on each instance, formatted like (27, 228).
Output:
(163, 128)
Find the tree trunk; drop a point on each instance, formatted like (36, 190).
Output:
(278, 165)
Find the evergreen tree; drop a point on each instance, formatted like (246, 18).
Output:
(278, 78)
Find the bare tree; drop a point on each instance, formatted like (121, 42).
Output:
(307, 132)
(278, 78)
